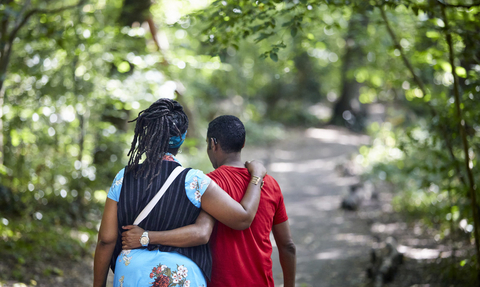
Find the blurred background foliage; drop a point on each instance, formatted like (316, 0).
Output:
(72, 73)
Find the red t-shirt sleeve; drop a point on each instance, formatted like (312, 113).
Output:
(280, 212)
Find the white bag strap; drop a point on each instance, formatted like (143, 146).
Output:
(146, 211)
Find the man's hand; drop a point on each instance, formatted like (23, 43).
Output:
(256, 168)
(131, 237)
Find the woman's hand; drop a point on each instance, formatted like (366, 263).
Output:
(131, 237)
(236, 215)
(256, 168)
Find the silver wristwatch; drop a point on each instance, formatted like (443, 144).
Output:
(144, 239)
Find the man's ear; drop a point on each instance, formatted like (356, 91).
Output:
(212, 144)
(243, 143)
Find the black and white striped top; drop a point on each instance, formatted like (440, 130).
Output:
(174, 210)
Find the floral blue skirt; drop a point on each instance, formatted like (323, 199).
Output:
(140, 267)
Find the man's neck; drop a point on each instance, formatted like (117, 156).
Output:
(233, 159)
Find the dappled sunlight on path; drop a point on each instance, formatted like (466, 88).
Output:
(337, 136)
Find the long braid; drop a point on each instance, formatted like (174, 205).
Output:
(153, 129)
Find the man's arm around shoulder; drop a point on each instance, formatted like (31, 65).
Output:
(186, 236)
(286, 251)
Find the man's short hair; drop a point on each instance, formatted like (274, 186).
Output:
(229, 133)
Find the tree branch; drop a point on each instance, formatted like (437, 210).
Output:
(25, 6)
(419, 82)
(404, 57)
(468, 6)
(40, 11)
(3, 30)
(153, 31)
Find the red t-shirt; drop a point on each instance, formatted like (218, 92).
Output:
(243, 258)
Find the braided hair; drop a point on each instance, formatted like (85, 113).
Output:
(154, 127)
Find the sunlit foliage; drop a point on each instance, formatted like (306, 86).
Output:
(77, 71)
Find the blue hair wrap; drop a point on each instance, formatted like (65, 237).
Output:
(177, 141)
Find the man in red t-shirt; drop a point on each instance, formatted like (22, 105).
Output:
(243, 257)
(240, 257)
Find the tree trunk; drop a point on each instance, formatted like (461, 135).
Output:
(5, 51)
(350, 87)
(2, 95)
(192, 128)
(4, 59)
(463, 135)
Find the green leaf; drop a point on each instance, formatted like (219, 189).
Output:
(433, 34)
(461, 72)
(274, 56)
(257, 28)
(287, 23)
(123, 67)
(263, 36)
(293, 31)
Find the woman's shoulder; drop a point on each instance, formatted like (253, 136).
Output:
(114, 192)
(196, 182)
(196, 175)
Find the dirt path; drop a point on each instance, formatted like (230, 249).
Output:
(332, 245)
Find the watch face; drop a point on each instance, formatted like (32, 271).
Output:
(144, 240)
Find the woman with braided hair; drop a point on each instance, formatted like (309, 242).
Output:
(159, 132)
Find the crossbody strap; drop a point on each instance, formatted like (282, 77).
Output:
(146, 211)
